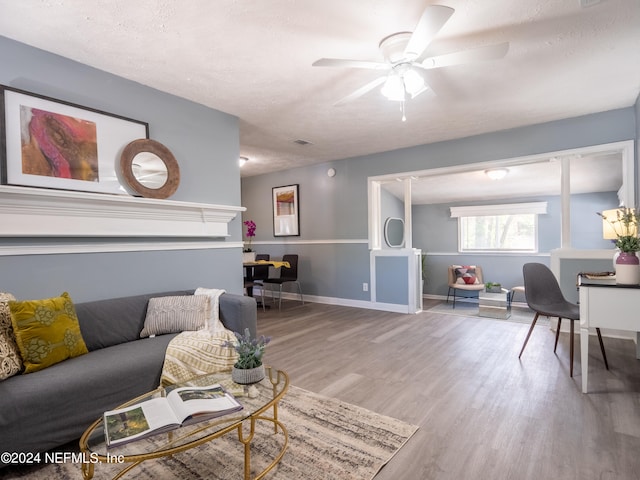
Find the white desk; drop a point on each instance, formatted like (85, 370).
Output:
(607, 306)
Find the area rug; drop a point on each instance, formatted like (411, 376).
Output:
(328, 440)
(468, 309)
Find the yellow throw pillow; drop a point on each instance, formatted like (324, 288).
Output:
(47, 331)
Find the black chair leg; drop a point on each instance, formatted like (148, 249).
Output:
(454, 296)
(533, 324)
(557, 334)
(604, 355)
(571, 351)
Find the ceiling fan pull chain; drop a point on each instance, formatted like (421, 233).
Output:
(404, 117)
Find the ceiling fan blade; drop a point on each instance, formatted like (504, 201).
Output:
(480, 54)
(433, 19)
(361, 91)
(339, 62)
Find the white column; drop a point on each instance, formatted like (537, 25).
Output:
(408, 235)
(565, 203)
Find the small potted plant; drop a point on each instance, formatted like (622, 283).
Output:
(624, 223)
(248, 368)
(492, 287)
(248, 255)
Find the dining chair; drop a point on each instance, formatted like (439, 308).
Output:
(287, 275)
(543, 295)
(259, 274)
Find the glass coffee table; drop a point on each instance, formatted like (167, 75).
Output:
(494, 304)
(262, 406)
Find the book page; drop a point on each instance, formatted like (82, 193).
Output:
(212, 400)
(139, 420)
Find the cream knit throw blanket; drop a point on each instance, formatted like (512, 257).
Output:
(191, 354)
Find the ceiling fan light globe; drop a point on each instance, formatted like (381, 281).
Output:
(393, 88)
(413, 82)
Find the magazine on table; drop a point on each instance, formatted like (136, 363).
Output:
(181, 406)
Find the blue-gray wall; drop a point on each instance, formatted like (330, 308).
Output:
(390, 207)
(333, 234)
(392, 279)
(204, 141)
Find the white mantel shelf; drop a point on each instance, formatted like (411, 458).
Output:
(34, 212)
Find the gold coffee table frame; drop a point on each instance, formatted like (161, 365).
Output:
(92, 442)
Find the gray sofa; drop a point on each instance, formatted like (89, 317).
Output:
(49, 408)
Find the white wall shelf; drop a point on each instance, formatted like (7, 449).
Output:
(33, 212)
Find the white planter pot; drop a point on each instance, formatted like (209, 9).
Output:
(248, 257)
(627, 269)
(247, 376)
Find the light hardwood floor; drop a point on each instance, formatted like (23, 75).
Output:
(482, 412)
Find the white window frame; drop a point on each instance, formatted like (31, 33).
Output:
(535, 208)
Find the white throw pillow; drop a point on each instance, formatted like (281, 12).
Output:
(213, 323)
(175, 314)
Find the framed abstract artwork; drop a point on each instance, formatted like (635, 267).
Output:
(286, 211)
(50, 143)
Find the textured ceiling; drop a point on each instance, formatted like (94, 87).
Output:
(252, 59)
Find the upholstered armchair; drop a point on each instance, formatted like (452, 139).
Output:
(464, 278)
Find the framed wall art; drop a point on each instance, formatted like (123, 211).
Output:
(50, 143)
(286, 211)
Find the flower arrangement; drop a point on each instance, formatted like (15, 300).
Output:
(250, 351)
(251, 232)
(625, 226)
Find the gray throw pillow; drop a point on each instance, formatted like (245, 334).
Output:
(175, 314)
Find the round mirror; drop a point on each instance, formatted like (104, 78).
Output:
(150, 169)
(394, 232)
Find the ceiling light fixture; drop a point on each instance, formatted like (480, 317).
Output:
(401, 81)
(394, 88)
(242, 160)
(496, 173)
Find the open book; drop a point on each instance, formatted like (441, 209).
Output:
(182, 406)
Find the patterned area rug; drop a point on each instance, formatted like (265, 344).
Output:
(328, 440)
(468, 309)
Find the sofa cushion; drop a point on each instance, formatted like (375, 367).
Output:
(175, 314)
(47, 331)
(109, 322)
(10, 361)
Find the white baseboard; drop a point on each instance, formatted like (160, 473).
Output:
(343, 302)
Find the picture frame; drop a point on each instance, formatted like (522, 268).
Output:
(286, 211)
(50, 143)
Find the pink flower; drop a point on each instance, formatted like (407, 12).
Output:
(251, 232)
(251, 228)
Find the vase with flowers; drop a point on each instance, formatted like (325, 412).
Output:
(622, 226)
(248, 255)
(248, 368)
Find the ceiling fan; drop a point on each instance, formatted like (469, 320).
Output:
(404, 59)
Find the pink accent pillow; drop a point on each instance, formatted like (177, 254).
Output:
(466, 275)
